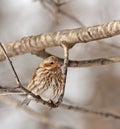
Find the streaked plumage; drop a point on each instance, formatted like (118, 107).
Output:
(47, 80)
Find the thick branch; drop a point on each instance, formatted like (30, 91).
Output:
(71, 36)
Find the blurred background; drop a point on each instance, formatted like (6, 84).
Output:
(94, 87)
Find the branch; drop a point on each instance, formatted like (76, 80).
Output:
(10, 91)
(38, 98)
(14, 72)
(54, 7)
(72, 17)
(78, 109)
(84, 63)
(35, 115)
(91, 111)
(75, 108)
(65, 69)
(72, 36)
(12, 67)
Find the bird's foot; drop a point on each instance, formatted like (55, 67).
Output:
(38, 98)
(52, 104)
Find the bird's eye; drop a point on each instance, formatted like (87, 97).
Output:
(51, 63)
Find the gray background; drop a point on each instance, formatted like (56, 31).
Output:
(96, 87)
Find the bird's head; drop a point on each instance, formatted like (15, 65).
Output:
(50, 63)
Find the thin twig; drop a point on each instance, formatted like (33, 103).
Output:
(65, 68)
(12, 67)
(38, 98)
(14, 72)
(84, 63)
(91, 111)
(85, 110)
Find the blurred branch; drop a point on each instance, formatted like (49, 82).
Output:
(48, 114)
(69, 107)
(35, 115)
(54, 7)
(38, 43)
(10, 91)
(72, 17)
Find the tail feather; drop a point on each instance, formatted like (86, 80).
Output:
(26, 101)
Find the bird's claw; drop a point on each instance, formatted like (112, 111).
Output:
(38, 98)
(52, 104)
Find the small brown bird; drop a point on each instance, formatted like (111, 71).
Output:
(47, 80)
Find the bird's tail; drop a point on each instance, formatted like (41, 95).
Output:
(26, 101)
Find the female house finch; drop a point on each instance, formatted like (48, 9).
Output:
(47, 80)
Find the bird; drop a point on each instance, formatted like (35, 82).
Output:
(47, 81)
